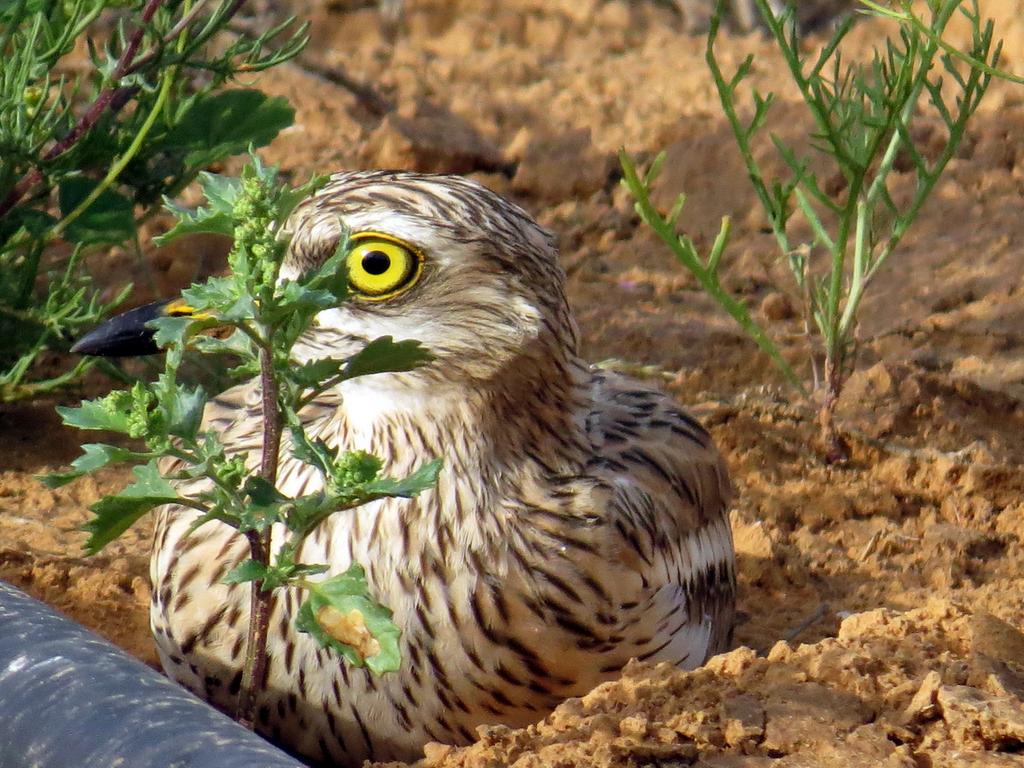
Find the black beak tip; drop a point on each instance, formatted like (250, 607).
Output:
(125, 335)
(85, 345)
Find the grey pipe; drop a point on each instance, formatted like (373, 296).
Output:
(69, 699)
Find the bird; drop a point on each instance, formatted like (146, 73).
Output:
(580, 519)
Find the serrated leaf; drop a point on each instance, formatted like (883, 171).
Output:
(235, 344)
(217, 292)
(306, 512)
(115, 514)
(332, 275)
(247, 570)
(239, 310)
(292, 197)
(110, 219)
(94, 456)
(262, 492)
(183, 409)
(95, 414)
(385, 355)
(312, 451)
(315, 372)
(221, 192)
(340, 614)
(421, 480)
(220, 125)
(264, 506)
(296, 297)
(168, 331)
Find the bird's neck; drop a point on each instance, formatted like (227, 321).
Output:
(532, 414)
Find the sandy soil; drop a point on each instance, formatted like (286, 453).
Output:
(881, 601)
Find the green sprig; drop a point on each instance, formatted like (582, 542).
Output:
(862, 115)
(266, 317)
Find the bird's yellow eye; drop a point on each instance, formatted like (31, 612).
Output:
(380, 267)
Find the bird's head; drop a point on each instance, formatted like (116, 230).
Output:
(439, 259)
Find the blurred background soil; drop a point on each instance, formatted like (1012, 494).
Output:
(881, 601)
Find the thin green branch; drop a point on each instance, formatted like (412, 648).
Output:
(909, 17)
(118, 166)
(706, 274)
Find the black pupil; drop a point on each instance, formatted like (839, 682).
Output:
(376, 262)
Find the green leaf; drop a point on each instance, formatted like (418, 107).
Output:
(309, 569)
(215, 293)
(8, 7)
(306, 512)
(109, 413)
(170, 331)
(36, 223)
(292, 197)
(315, 372)
(110, 219)
(264, 506)
(94, 456)
(312, 451)
(183, 408)
(340, 614)
(262, 492)
(421, 480)
(220, 125)
(235, 344)
(384, 355)
(332, 275)
(247, 570)
(296, 297)
(221, 192)
(115, 514)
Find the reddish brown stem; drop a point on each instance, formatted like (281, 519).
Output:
(111, 97)
(254, 673)
(177, 29)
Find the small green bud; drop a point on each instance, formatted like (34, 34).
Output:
(32, 95)
(232, 471)
(351, 470)
(144, 420)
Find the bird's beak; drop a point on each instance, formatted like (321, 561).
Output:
(127, 334)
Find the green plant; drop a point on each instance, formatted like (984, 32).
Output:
(863, 115)
(85, 152)
(265, 317)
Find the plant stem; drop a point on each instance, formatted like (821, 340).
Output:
(837, 451)
(705, 274)
(166, 80)
(908, 16)
(113, 97)
(122, 162)
(254, 673)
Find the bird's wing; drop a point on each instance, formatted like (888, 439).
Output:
(668, 499)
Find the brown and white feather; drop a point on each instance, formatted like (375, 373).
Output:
(580, 520)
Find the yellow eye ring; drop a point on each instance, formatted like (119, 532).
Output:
(381, 266)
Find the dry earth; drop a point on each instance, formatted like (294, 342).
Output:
(882, 600)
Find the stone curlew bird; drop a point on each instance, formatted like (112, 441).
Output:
(580, 519)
